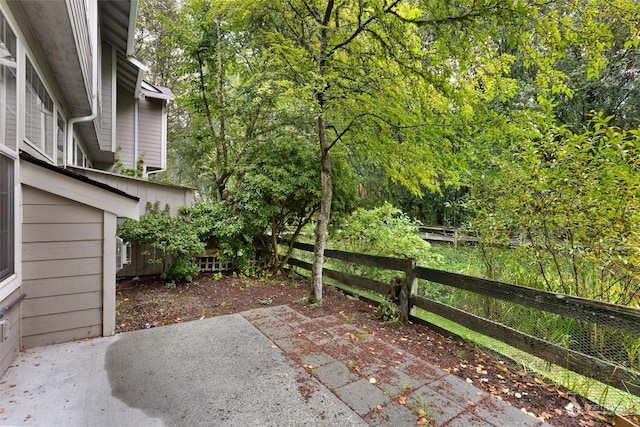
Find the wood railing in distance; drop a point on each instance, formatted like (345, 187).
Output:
(611, 315)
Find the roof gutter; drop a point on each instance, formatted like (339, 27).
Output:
(93, 18)
(133, 17)
(142, 68)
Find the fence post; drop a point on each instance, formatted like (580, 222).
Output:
(409, 289)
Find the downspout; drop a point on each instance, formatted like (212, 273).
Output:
(94, 82)
(136, 107)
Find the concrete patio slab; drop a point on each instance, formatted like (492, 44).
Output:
(230, 371)
(219, 371)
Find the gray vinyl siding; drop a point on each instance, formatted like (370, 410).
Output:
(9, 348)
(106, 106)
(62, 243)
(125, 126)
(150, 131)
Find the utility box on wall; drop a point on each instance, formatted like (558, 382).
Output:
(123, 253)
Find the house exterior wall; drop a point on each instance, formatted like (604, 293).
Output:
(151, 130)
(10, 347)
(62, 244)
(107, 99)
(125, 128)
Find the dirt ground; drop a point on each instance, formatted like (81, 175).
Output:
(147, 302)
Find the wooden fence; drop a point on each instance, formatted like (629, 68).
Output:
(617, 317)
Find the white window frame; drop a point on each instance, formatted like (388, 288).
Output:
(60, 139)
(42, 146)
(9, 284)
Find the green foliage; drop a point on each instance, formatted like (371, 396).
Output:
(228, 230)
(172, 237)
(277, 191)
(389, 312)
(573, 200)
(384, 231)
(120, 168)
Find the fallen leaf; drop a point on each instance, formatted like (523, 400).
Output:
(383, 366)
(402, 400)
(518, 395)
(470, 403)
(1, 410)
(538, 380)
(379, 407)
(422, 421)
(373, 380)
(469, 380)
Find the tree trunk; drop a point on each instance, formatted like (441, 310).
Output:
(325, 168)
(324, 216)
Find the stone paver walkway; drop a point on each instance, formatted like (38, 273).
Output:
(381, 383)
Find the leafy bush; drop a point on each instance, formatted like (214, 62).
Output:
(383, 231)
(230, 230)
(389, 312)
(573, 199)
(173, 237)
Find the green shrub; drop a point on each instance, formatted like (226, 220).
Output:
(173, 237)
(383, 231)
(389, 312)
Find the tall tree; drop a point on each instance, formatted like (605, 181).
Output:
(385, 78)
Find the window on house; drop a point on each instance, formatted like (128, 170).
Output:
(39, 114)
(6, 217)
(8, 100)
(60, 141)
(79, 158)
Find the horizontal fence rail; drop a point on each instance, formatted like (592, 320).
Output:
(618, 319)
